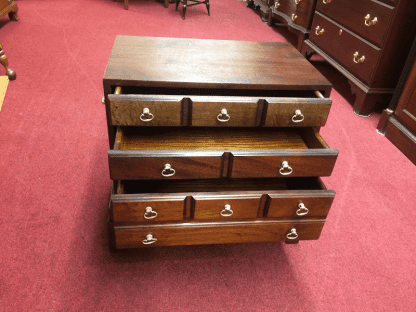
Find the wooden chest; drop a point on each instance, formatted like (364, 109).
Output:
(215, 141)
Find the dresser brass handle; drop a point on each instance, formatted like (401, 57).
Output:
(285, 169)
(146, 115)
(149, 239)
(294, 17)
(168, 171)
(276, 5)
(150, 213)
(298, 116)
(319, 31)
(292, 234)
(227, 212)
(302, 210)
(326, 1)
(297, 1)
(223, 117)
(358, 60)
(370, 22)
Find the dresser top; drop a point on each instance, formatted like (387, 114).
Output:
(206, 63)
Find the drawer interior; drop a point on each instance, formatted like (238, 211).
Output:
(130, 187)
(165, 138)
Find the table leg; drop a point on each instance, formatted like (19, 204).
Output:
(3, 60)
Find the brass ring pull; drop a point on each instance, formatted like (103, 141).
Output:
(294, 17)
(146, 115)
(302, 210)
(298, 116)
(326, 1)
(319, 31)
(297, 1)
(368, 21)
(292, 234)
(150, 213)
(358, 60)
(276, 4)
(168, 171)
(285, 169)
(223, 117)
(149, 239)
(226, 212)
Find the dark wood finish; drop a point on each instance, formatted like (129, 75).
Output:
(9, 7)
(398, 122)
(384, 44)
(295, 14)
(263, 6)
(3, 61)
(185, 5)
(126, 3)
(260, 102)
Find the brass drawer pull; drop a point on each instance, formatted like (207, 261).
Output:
(276, 5)
(150, 213)
(294, 17)
(326, 1)
(368, 21)
(319, 31)
(298, 116)
(146, 115)
(358, 60)
(223, 117)
(292, 234)
(168, 171)
(285, 169)
(302, 210)
(149, 239)
(227, 212)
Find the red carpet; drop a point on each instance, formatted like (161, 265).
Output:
(55, 185)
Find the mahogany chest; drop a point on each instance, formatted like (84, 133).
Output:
(215, 141)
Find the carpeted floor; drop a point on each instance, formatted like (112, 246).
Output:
(55, 185)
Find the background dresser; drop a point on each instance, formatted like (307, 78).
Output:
(398, 122)
(209, 147)
(296, 14)
(367, 41)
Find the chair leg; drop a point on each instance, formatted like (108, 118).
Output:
(177, 4)
(207, 3)
(3, 61)
(185, 4)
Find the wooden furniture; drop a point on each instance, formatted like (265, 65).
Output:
(295, 14)
(260, 5)
(126, 3)
(9, 7)
(193, 2)
(398, 122)
(367, 41)
(3, 61)
(208, 147)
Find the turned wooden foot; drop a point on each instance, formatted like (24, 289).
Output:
(126, 4)
(166, 3)
(3, 61)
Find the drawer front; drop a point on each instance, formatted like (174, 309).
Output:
(297, 113)
(129, 166)
(299, 12)
(147, 209)
(299, 206)
(224, 114)
(214, 233)
(226, 207)
(368, 19)
(350, 51)
(268, 166)
(137, 110)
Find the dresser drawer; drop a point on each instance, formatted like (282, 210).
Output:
(195, 153)
(214, 233)
(356, 55)
(219, 200)
(298, 11)
(368, 19)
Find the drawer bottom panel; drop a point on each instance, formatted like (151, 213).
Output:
(214, 233)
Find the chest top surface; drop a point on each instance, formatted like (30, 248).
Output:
(206, 63)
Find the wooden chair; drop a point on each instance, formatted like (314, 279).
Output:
(194, 2)
(3, 61)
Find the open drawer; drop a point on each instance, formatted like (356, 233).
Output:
(150, 106)
(158, 201)
(201, 153)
